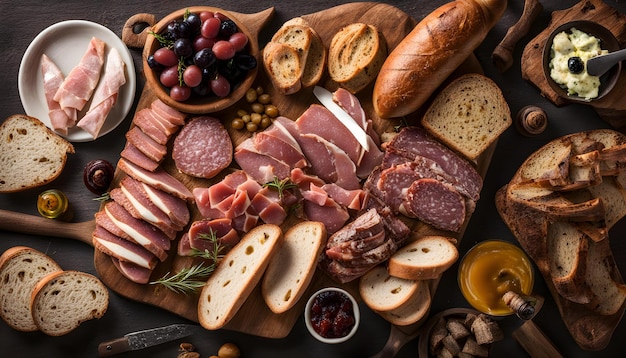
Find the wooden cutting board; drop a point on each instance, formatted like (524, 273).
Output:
(254, 317)
(612, 108)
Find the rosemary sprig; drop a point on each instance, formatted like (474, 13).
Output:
(187, 280)
(280, 185)
(213, 255)
(102, 198)
(163, 40)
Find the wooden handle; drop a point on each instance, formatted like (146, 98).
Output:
(502, 55)
(37, 225)
(136, 29)
(116, 346)
(535, 342)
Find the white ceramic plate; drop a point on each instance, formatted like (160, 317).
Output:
(65, 43)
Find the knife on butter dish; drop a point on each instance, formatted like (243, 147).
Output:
(326, 99)
(146, 338)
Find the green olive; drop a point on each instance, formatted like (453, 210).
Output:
(257, 107)
(265, 122)
(271, 110)
(252, 127)
(256, 118)
(237, 123)
(241, 112)
(246, 118)
(251, 95)
(265, 98)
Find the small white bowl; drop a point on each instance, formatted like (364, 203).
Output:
(309, 326)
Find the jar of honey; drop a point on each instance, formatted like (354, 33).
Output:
(489, 270)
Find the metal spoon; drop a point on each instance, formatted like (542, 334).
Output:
(598, 65)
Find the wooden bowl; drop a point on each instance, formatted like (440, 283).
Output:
(198, 104)
(423, 347)
(607, 42)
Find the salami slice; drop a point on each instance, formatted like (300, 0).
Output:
(435, 203)
(203, 148)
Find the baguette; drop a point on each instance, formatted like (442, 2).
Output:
(437, 45)
(20, 269)
(31, 155)
(423, 259)
(62, 300)
(288, 275)
(414, 309)
(383, 292)
(468, 115)
(236, 276)
(283, 66)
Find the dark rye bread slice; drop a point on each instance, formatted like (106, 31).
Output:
(20, 269)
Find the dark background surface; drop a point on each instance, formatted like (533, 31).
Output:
(23, 20)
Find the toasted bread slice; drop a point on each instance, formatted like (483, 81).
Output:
(282, 65)
(423, 259)
(414, 309)
(383, 292)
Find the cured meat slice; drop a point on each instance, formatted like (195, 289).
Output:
(435, 203)
(280, 144)
(163, 123)
(122, 249)
(132, 271)
(175, 208)
(146, 208)
(351, 199)
(267, 203)
(159, 179)
(135, 156)
(331, 214)
(365, 225)
(343, 172)
(144, 120)
(203, 148)
(120, 197)
(52, 80)
(171, 114)
(80, 83)
(355, 249)
(146, 145)
(263, 168)
(105, 95)
(415, 141)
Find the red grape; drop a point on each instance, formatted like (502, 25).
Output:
(223, 50)
(239, 40)
(204, 15)
(180, 93)
(169, 76)
(201, 42)
(220, 86)
(166, 57)
(211, 27)
(192, 76)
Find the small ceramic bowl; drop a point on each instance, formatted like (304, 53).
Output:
(309, 325)
(607, 42)
(198, 104)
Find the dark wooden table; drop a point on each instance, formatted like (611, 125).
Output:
(23, 20)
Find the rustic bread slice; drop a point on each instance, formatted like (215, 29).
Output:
(289, 273)
(20, 269)
(468, 115)
(383, 292)
(297, 36)
(31, 155)
(236, 276)
(568, 248)
(355, 55)
(613, 198)
(282, 65)
(423, 259)
(414, 309)
(602, 276)
(315, 61)
(63, 300)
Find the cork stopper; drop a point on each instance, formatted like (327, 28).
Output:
(531, 120)
(523, 307)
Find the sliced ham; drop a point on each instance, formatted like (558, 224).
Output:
(132, 271)
(143, 119)
(278, 143)
(52, 80)
(163, 123)
(171, 114)
(123, 199)
(122, 249)
(105, 95)
(343, 168)
(80, 83)
(351, 199)
(135, 156)
(263, 168)
(175, 208)
(331, 214)
(146, 145)
(158, 179)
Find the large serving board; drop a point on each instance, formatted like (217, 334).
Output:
(254, 317)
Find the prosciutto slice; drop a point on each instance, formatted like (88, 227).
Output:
(80, 83)
(53, 77)
(105, 94)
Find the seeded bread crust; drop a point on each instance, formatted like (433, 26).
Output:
(289, 273)
(383, 292)
(237, 275)
(31, 155)
(423, 259)
(63, 300)
(468, 115)
(20, 269)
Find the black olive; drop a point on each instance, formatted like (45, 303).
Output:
(575, 65)
(98, 175)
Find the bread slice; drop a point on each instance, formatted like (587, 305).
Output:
(383, 292)
(315, 62)
(423, 259)
(63, 300)
(613, 198)
(355, 55)
(468, 115)
(414, 309)
(290, 272)
(604, 279)
(237, 275)
(20, 269)
(298, 37)
(31, 155)
(282, 65)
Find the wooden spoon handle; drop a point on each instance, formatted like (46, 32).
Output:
(37, 225)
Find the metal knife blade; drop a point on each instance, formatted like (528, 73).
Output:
(146, 338)
(326, 98)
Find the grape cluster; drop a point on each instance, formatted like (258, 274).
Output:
(202, 54)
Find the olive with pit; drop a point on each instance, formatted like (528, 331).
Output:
(98, 175)
(575, 65)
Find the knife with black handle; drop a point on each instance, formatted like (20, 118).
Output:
(146, 338)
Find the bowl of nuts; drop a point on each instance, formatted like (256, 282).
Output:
(200, 59)
(565, 56)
